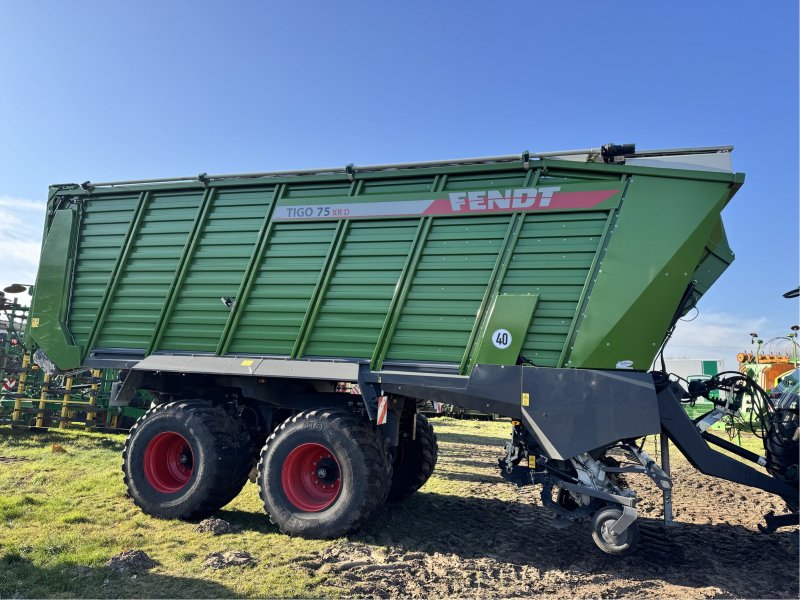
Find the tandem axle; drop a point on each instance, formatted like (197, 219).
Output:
(575, 433)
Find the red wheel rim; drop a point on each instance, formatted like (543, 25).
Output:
(168, 462)
(311, 478)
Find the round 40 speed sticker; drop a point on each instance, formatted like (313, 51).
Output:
(501, 338)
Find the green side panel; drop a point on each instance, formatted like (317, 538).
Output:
(104, 223)
(361, 288)
(505, 330)
(412, 274)
(477, 181)
(552, 259)
(710, 367)
(447, 289)
(397, 185)
(48, 310)
(311, 191)
(717, 256)
(652, 254)
(216, 270)
(284, 284)
(149, 271)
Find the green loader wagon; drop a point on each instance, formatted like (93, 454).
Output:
(296, 320)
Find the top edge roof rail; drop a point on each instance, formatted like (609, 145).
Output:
(408, 165)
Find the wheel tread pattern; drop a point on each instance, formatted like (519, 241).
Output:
(363, 435)
(231, 442)
(413, 476)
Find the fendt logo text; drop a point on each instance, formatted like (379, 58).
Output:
(498, 200)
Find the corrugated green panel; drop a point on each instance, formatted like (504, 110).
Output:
(216, 269)
(361, 288)
(306, 190)
(454, 259)
(560, 176)
(552, 259)
(398, 185)
(447, 289)
(149, 271)
(103, 225)
(284, 284)
(488, 180)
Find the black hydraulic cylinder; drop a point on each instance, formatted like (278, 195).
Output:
(685, 435)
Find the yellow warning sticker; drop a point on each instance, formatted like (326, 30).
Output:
(526, 399)
(247, 363)
(34, 322)
(532, 462)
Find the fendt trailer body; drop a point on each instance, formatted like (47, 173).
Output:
(536, 286)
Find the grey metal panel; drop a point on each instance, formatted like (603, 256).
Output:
(309, 369)
(489, 388)
(113, 358)
(257, 367)
(715, 161)
(578, 410)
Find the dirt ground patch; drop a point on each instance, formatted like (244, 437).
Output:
(493, 540)
(130, 561)
(467, 533)
(12, 459)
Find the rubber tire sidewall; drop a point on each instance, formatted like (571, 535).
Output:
(784, 452)
(412, 469)
(354, 488)
(192, 501)
(612, 514)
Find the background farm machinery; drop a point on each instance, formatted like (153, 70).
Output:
(32, 398)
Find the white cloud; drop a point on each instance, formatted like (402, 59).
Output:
(22, 203)
(714, 335)
(21, 225)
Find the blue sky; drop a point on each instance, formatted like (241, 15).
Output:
(112, 90)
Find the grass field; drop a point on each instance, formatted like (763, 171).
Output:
(63, 515)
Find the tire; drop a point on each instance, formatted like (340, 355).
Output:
(415, 461)
(782, 448)
(322, 473)
(186, 460)
(625, 543)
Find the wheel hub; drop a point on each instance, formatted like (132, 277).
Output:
(310, 477)
(610, 536)
(168, 462)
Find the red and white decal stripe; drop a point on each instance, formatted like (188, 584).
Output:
(383, 409)
(458, 203)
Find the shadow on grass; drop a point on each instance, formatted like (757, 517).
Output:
(474, 464)
(20, 578)
(248, 521)
(27, 438)
(472, 439)
(518, 533)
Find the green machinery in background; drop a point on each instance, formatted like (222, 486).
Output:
(29, 397)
